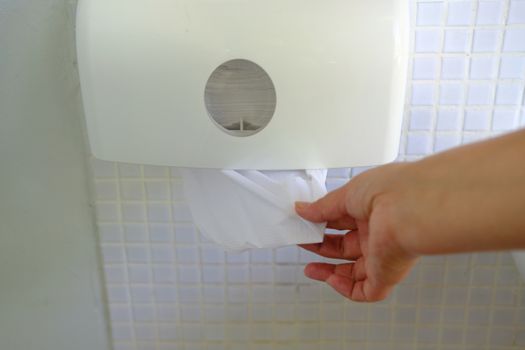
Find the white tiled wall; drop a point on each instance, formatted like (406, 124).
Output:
(169, 289)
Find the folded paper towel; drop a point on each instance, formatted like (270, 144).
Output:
(253, 209)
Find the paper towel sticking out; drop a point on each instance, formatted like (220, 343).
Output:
(253, 209)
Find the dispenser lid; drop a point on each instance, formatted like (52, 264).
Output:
(243, 84)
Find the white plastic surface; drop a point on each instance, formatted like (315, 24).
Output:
(340, 86)
(253, 209)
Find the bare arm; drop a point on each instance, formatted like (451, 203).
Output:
(467, 199)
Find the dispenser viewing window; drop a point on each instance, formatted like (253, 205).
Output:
(240, 97)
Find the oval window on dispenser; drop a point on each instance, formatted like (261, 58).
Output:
(240, 97)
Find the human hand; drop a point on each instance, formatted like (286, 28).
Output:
(377, 262)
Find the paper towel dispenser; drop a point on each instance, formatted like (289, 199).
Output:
(243, 84)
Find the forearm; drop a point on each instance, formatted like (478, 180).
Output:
(467, 199)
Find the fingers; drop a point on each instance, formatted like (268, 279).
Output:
(347, 279)
(330, 208)
(337, 247)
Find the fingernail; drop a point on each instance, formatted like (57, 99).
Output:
(301, 205)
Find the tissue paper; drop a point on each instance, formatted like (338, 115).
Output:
(253, 209)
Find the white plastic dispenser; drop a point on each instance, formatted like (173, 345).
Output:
(245, 85)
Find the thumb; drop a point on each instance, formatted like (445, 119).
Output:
(329, 208)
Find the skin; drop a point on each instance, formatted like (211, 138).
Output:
(468, 199)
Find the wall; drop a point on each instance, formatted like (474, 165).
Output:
(169, 288)
(50, 290)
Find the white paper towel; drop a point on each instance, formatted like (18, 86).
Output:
(253, 209)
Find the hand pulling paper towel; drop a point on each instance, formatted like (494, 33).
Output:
(253, 209)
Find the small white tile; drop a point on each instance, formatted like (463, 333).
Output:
(187, 255)
(452, 335)
(239, 294)
(503, 316)
(287, 255)
(238, 257)
(215, 313)
(141, 294)
(429, 13)
(483, 67)
(460, 13)
(480, 94)
(423, 94)
(448, 119)
(238, 274)
(145, 332)
(137, 254)
(162, 253)
(113, 253)
(191, 313)
(457, 40)
(164, 274)
(181, 212)
(139, 274)
(211, 255)
(288, 274)
(451, 94)
(157, 190)
(186, 233)
(504, 297)
(486, 40)
(189, 294)
(131, 190)
(167, 313)
(285, 294)
(428, 40)
(489, 12)
(446, 141)
(135, 233)
(505, 120)
(517, 12)
(159, 212)
(167, 333)
(477, 120)
(419, 144)
(453, 68)
(501, 336)
(509, 94)
(110, 232)
(213, 274)
(144, 313)
(514, 40)
(512, 67)
(261, 274)
(161, 233)
(238, 313)
(107, 212)
(421, 119)
(133, 212)
(165, 294)
(425, 68)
